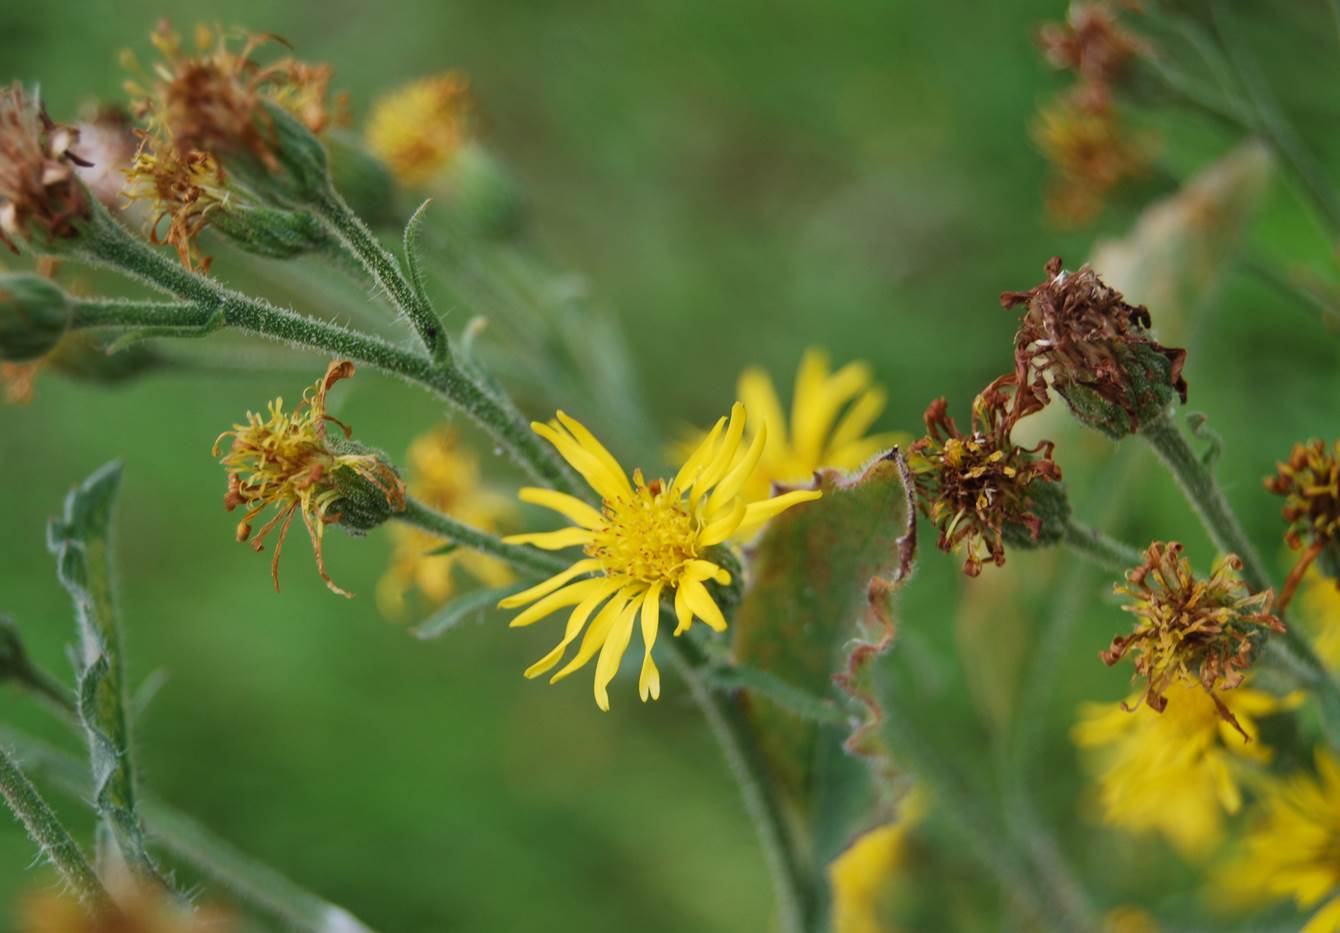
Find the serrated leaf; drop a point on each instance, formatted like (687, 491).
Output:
(813, 572)
(80, 541)
(458, 610)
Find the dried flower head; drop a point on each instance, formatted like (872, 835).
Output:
(647, 542)
(182, 189)
(443, 474)
(1091, 153)
(212, 101)
(980, 489)
(290, 462)
(1091, 43)
(1193, 630)
(1309, 481)
(39, 187)
(1079, 335)
(418, 128)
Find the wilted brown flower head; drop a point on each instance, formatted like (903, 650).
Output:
(1080, 337)
(980, 489)
(1091, 153)
(212, 101)
(181, 189)
(1310, 484)
(289, 461)
(1193, 630)
(38, 184)
(1092, 44)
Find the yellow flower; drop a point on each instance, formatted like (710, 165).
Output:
(861, 877)
(443, 474)
(1176, 772)
(418, 128)
(830, 415)
(1290, 849)
(1319, 605)
(648, 541)
(289, 462)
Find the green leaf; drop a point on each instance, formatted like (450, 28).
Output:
(412, 264)
(460, 609)
(1198, 424)
(808, 611)
(80, 541)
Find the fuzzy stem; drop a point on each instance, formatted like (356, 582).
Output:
(527, 560)
(212, 305)
(792, 886)
(1101, 550)
(383, 269)
(1291, 650)
(50, 836)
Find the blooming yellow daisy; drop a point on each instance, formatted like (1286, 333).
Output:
(647, 541)
(1290, 849)
(444, 474)
(1176, 772)
(830, 415)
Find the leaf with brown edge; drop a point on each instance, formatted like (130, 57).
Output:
(814, 618)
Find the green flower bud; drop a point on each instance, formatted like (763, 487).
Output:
(307, 169)
(34, 315)
(364, 501)
(483, 194)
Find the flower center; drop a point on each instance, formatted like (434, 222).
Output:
(649, 535)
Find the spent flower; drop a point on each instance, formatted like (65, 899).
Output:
(289, 461)
(1192, 630)
(1091, 153)
(648, 541)
(980, 489)
(1093, 44)
(40, 188)
(1078, 336)
(1309, 481)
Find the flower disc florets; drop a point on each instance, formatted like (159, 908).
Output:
(181, 188)
(1080, 337)
(288, 461)
(979, 488)
(1199, 631)
(1310, 484)
(39, 187)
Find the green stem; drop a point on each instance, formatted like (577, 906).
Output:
(212, 305)
(527, 560)
(792, 885)
(1290, 649)
(1108, 553)
(50, 836)
(383, 268)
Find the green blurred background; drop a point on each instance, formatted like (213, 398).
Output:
(738, 180)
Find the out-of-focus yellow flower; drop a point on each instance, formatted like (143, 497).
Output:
(1290, 849)
(830, 415)
(418, 128)
(1128, 919)
(1176, 772)
(443, 474)
(140, 912)
(863, 876)
(648, 541)
(1319, 606)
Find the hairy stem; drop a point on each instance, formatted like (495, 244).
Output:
(382, 268)
(1099, 549)
(527, 560)
(50, 836)
(793, 887)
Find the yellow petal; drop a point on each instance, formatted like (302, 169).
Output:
(700, 601)
(721, 528)
(552, 540)
(693, 465)
(548, 586)
(756, 390)
(758, 513)
(611, 652)
(734, 481)
(723, 456)
(596, 474)
(857, 419)
(575, 622)
(570, 507)
(1326, 920)
(683, 614)
(597, 631)
(649, 681)
(589, 443)
(570, 595)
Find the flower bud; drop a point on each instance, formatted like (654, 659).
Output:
(483, 193)
(34, 315)
(1080, 338)
(364, 502)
